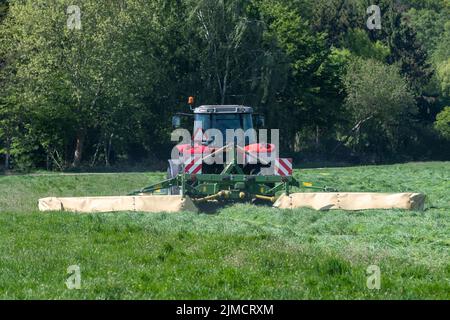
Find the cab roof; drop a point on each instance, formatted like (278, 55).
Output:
(223, 109)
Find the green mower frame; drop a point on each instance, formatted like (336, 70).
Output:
(230, 185)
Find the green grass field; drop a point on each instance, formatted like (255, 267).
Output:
(243, 252)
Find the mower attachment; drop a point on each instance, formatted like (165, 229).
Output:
(351, 201)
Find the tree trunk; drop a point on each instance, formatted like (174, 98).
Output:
(225, 80)
(105, 149)
(7, 154)
(78, 149)
(108, 150)
(317, 137)
(7, 157)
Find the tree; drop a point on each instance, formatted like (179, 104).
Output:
(428, 25)
(105, 93)
(230, 50)
(443, 72)
(379, 103)
(300, 104)
(337, 17)
(77, 80)
(359, 43)
(408, 52)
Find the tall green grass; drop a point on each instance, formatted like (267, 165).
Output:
(243, 252)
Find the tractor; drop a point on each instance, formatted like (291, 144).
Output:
(252, 171)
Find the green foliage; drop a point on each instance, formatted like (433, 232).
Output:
(427, 4)
(4, 6)
(443, 72)
(83, 75)
(337, 17)
(377, 94)
(231, 54)
(105, 94)
(242, 252)
(370, 94)
(441, 61)
(311, 76)
(441, 53)
(442, 123)
(360, 44)
(429, 26)
(409, 54)
(433, 31)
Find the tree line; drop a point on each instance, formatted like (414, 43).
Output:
(102, 92)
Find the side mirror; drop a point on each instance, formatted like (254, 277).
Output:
(176, 122)
(260, 121)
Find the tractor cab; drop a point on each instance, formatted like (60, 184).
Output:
(216, 126)
(223, 118)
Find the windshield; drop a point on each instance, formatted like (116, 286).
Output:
(223, 122)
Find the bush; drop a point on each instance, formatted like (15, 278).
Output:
(442, 124)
